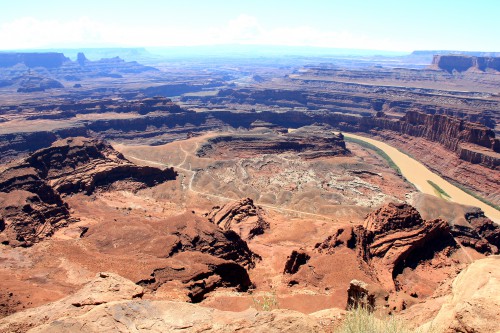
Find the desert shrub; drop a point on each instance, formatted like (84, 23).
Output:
(266, 302)
(361, 320)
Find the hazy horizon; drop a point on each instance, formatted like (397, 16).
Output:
(383, 25)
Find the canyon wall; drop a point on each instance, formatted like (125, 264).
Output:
(472, 142)
(352, 98)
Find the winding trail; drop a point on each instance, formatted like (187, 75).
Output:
(419, 175)
(210, 195)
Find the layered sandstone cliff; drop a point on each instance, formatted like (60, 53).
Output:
(80, 164)
(472, 142)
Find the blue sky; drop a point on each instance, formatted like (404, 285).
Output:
(384, 25)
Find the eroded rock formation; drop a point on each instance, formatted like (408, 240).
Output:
(30, 190)
(242, 216)
(201, 258)
(29, 218)
(79, 164)
(198, 274)
(294, 261)
(188, 233)
(484, 227)
(31, 208)
(395, 237)
(348, 236)
(359, 295)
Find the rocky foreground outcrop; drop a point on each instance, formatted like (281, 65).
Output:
(30, 190)
(474, 303)
(104, 288)
(110, 303)
(242, 216)
(195, 274)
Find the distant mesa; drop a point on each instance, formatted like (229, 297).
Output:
(46, 59)
(462, 63)
(52, 66)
